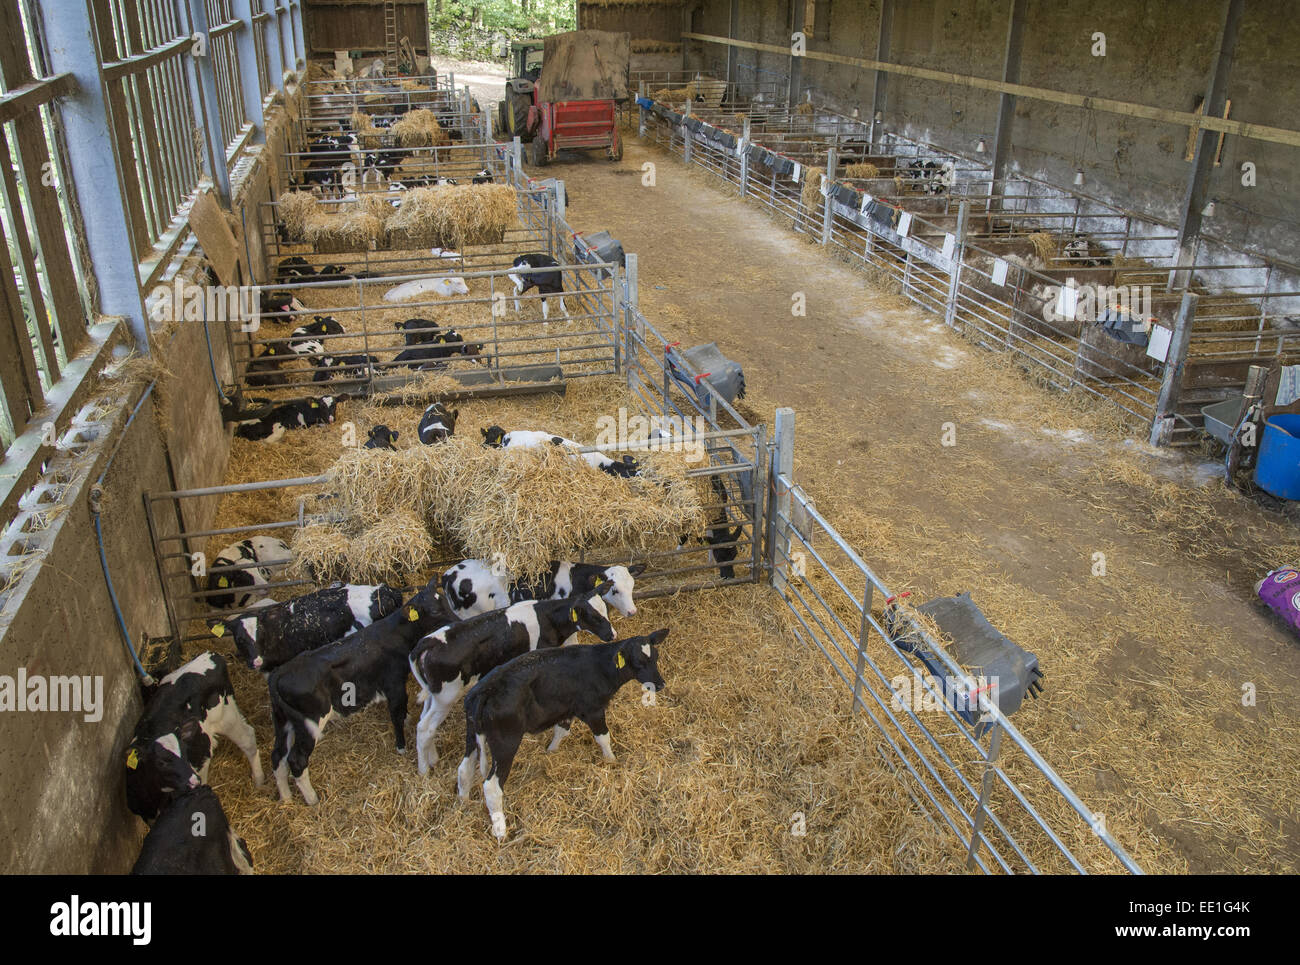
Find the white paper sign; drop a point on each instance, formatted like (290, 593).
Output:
(1158, 345)
(798, 172)
(999, 271)
(1067, 301)
(905, 223)
(866, 202)
(949, 245)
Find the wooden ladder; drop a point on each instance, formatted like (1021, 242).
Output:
(390, 38)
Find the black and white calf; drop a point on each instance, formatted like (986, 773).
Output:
(342, 678)
(247, 581)
(530, 438)
(177, 734)
(1079, 251)
(484, 176)
(438, 424)
(541, 272)
(453, 658)
(276, 634)
(382, 437)
(173, 846)
(277, 304)
(473, 586)
(344, 366)
(419, 331)
(320, 325)
(546, 689)
(436, 348)
(291, 415)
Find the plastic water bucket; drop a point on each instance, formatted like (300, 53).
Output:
(1278, 467)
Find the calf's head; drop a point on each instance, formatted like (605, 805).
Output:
(641, 655)
(591, 614)
(157, 771)
(615, 586)
(493, 436)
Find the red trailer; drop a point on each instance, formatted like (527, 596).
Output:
(564, 94)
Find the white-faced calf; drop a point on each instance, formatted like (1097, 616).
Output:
(342, 678)
(546, 689)
(454, 657)
(177, 734)
(269, 637)
(532, 438)
(473, 586)
(237, 569)
(291, 415)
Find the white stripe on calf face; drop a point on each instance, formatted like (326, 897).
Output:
(645, 648)
(525, 614)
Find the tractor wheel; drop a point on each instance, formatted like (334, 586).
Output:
(503, 125)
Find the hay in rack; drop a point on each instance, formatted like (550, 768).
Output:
(419, 128)
(453, 216)
(1044, 245)
(862, 170)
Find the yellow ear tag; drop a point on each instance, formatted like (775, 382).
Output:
(132, 759)
(599, 581)
(315, 405)
(218, 629)
(223, 582)
(412, 614)
(620, 663)
(573, 615)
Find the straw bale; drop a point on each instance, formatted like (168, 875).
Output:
(864, 169)
(295, 209)
(453, 216)
(419, 128)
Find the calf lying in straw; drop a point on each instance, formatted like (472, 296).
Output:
(547, 689)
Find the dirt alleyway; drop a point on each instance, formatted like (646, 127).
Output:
(1035, 486)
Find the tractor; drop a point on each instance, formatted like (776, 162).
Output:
(586, 67)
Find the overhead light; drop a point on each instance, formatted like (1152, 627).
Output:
(1078, 176)
(980, 148)
(1208, 210)
(880, 116)
(856, 113)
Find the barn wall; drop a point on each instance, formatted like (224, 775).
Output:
(335, 25)
(655, 28)
(62, 802)
(1157, 53)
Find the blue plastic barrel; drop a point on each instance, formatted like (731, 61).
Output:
(1278, 468)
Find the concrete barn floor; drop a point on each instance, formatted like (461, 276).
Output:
(1145, 666)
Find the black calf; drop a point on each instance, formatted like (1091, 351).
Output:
(193, 837)
(547, 689)
(342, 678)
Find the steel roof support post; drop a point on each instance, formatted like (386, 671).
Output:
(796, 60)
(1171, 386)
(94, 164)
(779, 501)
(1007, 102)
(880, 83)
(246, 56)
(1198, 181)
(203, 90)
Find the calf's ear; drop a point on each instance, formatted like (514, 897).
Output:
(658, 637)
(636, 569)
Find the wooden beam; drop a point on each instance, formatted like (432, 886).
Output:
(28, 97)
(1258, 132)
